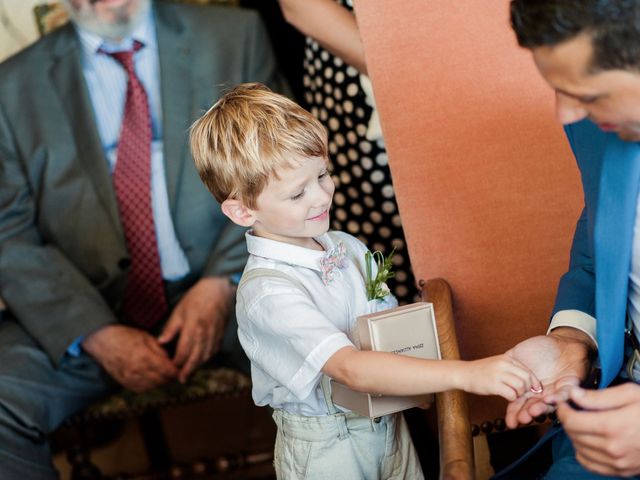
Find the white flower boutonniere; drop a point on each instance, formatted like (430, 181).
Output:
(377, 289)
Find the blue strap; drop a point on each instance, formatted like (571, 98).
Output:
(506, 472)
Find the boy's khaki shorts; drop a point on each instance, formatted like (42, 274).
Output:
(344, 446)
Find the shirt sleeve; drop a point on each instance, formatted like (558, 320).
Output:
(575, 319)
(285, 336)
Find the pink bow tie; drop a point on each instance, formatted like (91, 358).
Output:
(332, 259)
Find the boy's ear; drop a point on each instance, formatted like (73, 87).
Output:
(238, 212)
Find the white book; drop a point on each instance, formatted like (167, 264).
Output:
(409, 330)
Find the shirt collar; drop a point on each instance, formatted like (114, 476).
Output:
(287, 253)
(144, 33)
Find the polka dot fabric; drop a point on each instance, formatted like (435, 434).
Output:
(364, 203)
(145, 303)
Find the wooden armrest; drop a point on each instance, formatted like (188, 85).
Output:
(454, 428)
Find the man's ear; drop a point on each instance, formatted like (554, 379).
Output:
(238, 212)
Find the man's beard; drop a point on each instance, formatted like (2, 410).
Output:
(123, 24)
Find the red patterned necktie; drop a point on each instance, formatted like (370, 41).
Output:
(144, 303)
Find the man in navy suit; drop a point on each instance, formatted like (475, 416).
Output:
(588, 51)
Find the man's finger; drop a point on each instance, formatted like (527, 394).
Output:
(536, 406)
(513, 411)
(583, 421)
(208, 347)
(561, 390)
(523, 410)
(155, 374)
(160, 364)
(184, 349)
(591, 442)
(154, 347)
(194, 360)
(171, 329)
(606, 399)
(596, 466)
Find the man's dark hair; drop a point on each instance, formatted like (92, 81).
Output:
(613, 25)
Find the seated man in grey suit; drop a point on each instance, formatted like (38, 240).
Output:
(110, 247)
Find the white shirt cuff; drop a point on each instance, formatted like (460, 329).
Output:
(575, 319)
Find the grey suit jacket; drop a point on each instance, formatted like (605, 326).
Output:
(63, 257)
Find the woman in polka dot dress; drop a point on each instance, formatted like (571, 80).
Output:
(338, 94)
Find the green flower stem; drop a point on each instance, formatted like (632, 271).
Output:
(384, 265)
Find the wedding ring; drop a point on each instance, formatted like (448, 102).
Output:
(535, 390)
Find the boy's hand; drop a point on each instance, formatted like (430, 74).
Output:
(499, 375)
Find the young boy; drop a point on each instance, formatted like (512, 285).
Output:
(264, 158)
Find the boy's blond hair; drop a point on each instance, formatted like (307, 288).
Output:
(247, 136)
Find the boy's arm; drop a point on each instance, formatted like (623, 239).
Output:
(391, 374)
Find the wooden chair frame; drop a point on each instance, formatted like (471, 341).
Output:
(454, 428)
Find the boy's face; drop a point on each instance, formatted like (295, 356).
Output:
(295, 208)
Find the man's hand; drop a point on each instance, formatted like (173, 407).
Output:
(606, 435)
(560, 361)
(131, 356)
(199, 320)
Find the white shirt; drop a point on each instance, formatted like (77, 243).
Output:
(633, 306)
(289, 334)
(107, 85)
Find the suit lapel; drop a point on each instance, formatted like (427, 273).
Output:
(68, 81)
(176, 94)
(613, 239)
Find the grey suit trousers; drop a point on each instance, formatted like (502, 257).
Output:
(36, 398)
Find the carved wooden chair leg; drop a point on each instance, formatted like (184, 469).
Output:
(79, 458)
(482, 458)
(155, 440)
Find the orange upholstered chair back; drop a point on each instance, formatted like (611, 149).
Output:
(487, 188)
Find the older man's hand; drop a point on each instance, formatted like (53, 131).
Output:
(133, 357)
(199, 320)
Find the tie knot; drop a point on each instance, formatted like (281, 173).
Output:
(124, 57)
